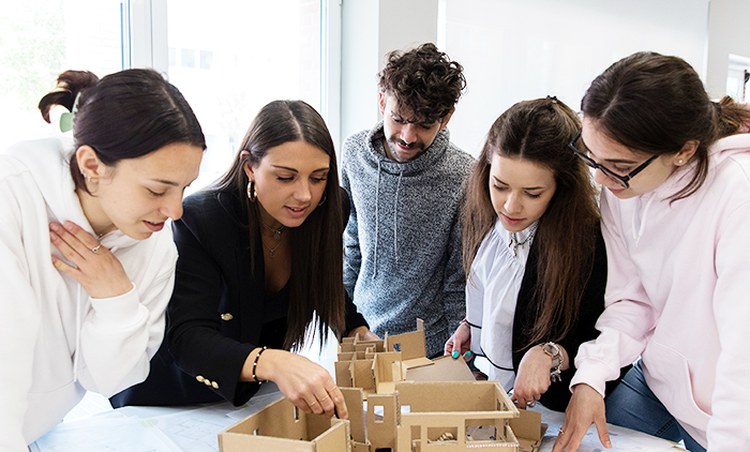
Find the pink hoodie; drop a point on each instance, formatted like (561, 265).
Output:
(678, 294)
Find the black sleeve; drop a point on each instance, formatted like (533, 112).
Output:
(195, 336)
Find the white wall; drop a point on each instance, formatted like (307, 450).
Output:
(520, 50)
(514, 50)
(371, 29)
(729, 33)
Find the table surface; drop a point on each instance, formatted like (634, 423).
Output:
(94, 426)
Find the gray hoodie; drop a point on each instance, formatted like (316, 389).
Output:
(403, 240)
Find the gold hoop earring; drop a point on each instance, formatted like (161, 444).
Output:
(323, 201)
(252, 195)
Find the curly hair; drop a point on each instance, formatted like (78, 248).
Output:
(423, 80)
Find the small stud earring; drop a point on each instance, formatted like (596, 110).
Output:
(680, 162)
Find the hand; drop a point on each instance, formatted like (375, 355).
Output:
(93, 266)
(533, 377)
(306, 384)
(586, 407)
(364, 334)
(459, 343)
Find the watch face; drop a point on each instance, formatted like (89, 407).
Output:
(553, 351)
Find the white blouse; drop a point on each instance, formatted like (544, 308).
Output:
(491, 294)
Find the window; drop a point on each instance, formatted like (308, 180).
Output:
(230, 58)
(41, 39)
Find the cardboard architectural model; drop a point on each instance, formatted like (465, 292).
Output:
(400, 401)
(282, 427)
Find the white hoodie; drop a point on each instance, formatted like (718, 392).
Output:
(56, 342)
(678, 293)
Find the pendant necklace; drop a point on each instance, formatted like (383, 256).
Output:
(272, 249)
(277, 235)
(275, 231)
(515, 243)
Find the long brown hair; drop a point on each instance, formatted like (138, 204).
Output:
(655, 104)
(539, 131)
(316, 281)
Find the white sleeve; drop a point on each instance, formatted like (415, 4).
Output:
(475, 308)
(19, 326)
(120, 335)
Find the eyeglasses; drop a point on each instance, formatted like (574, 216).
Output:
(622, 181)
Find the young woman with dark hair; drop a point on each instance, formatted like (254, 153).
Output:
(260, 262)
(534, 253)
(85, 280)
(675, 208)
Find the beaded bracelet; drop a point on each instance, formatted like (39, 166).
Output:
(255, 364)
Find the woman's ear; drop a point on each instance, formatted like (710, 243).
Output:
(247, 167)
(686, 153)
(89, 164)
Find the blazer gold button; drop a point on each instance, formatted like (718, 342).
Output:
(215, 385)
(227, 316)
(200, 378)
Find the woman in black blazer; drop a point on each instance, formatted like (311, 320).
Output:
(260, 261)
(534, 254)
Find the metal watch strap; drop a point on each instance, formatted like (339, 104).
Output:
(553, 351)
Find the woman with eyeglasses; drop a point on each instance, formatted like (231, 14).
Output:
(675, 168)
(534, 253)
(260, 265)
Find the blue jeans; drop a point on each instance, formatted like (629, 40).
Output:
(633, 405)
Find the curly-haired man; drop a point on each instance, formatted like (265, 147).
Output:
(406, 183)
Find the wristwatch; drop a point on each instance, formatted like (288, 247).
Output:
(553, 351)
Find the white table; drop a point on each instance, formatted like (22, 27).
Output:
(195, 429)
(94, 426)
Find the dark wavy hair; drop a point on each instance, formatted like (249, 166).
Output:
(539, 131)
(655, 104)
(124, 115)
(423, 80)
(316, 281)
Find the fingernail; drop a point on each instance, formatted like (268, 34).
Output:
(455, 354)
(467, 355)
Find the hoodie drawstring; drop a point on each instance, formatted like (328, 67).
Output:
(395, 217)
(377, 221)
(78, 333)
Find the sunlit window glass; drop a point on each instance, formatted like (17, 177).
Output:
(42, 38)
(230, 58)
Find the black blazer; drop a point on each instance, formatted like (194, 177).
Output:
(592, 305)
(213, 319)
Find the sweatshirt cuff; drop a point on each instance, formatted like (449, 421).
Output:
(119, 310)
(592, 374)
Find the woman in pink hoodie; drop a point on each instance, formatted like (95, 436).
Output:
(675, 170)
